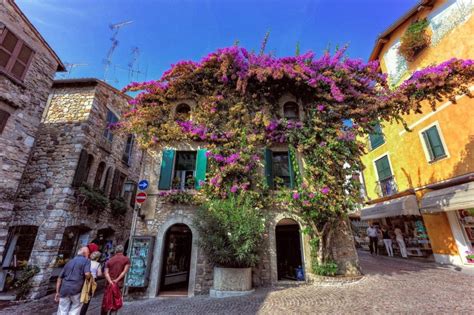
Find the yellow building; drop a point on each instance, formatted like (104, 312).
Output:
(423, 181)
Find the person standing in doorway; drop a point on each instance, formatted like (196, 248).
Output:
(115, 270)
(373, 234)
(70, 282)
(401, 242)
(387, 240)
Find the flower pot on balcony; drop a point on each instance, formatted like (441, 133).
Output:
(231, 282)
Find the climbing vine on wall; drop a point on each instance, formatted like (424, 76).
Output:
(237, 110)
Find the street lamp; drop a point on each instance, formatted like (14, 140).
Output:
(129, 186)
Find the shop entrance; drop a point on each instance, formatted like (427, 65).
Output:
(176, 261)
(288, 248)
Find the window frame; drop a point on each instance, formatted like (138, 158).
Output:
(378, 182)
(281, 153)
(298, 115)
(381, 135)
(427, 146)
(182, 185)
(107, 133)
(127, 156)
(13, 59)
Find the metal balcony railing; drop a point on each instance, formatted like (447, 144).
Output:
(387, 187)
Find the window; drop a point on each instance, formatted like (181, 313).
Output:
(185, 166)
(117, 185)
(183, 112)
(15, 55)
(99, 174)
(82, 170)
(433, 144)
(376, 139)
(4, 115)
(291, 111)
(182, 169)
(127, 154)
(111, 119)
(386, 181)
(279, 169)
(108, 175)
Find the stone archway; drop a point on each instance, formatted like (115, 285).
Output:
(305, 250)
(157, 265)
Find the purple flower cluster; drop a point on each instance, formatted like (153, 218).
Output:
(277, 130)
(347, 136)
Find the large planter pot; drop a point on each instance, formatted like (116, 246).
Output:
(231, 282)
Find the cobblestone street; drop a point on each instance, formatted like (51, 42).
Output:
(390, 286)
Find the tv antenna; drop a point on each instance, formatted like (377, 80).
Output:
(108, 60)
(71, 66)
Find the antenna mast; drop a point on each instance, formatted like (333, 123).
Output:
(71, 66)
(115, 28)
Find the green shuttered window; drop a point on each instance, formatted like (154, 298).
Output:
(166, 172)
(433, 143)
(201, 167)
(178, 166)
(278, 165)
(376, 139)
(383, 168)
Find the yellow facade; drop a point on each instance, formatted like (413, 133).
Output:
(407, 153)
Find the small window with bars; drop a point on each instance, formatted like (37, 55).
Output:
(433, 144)
(15, 55)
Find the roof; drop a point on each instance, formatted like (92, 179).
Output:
(87, 82)
(383, 38)
(61, 67)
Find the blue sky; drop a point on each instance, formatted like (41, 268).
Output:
(173, 30)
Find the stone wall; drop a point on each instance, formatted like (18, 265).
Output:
(75, 121)
(25, 101)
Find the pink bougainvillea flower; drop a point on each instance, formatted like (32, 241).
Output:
(311, 195)
(234, 189)
(321, 108)
(296, 196)
(325, 190)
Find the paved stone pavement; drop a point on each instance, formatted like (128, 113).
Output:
(390, 286)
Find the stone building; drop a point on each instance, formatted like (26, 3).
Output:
(27, 69)
(72, 191)
(179, 266)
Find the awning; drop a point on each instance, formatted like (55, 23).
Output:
(449, 199)
(406, 205)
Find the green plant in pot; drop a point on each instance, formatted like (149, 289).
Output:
(118, 207)
(415, 39)
(94, 198)
(231, 234)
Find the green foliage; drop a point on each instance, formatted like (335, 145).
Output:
(231, 231)
(414, 39)
(325, 269)
(118, 207)
(22, 284)
(181, 197)
(94, 198)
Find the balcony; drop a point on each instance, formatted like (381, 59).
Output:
(386, 187)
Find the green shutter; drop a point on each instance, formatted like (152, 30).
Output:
(201, 167)
(376, 138)
(428, 145)
(291, 158)
(435, 142)
(269, 167)
(383, 168)
(166, 169)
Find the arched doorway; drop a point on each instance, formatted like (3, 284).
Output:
(176, 261)
(288, 249)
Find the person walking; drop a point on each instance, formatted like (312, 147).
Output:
(373, 234)
(70, 282)
(96, 272)
(401, 242)
(387, 240)
(115, 270)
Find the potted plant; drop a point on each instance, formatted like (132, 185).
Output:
(118, 207)
(415, 39)
(93, 199)
(231, 234)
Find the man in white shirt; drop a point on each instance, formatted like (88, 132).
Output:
(373, 234)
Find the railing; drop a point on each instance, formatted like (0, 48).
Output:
(387, 187)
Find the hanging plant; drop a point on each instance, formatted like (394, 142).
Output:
(415, 39)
